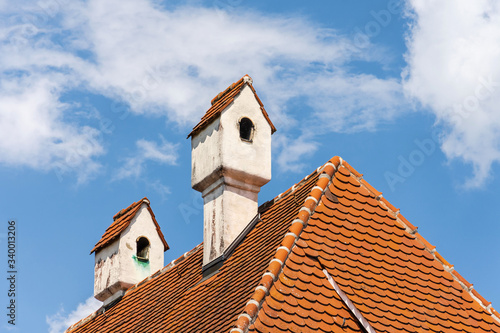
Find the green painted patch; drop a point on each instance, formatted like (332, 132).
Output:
(141, 263)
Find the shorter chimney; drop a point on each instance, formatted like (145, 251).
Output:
(130, 250)
(231, 161)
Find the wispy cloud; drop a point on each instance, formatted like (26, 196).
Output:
(162, 153)
(453, 69)
(59, 322)
(162, 190)
(33, 132)
(293, 151)
(172, 61)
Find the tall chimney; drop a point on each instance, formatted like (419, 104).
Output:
(231, 161)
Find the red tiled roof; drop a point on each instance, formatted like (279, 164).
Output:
(121, 221)
(224, 99)
(177, 300)
(331, 228)
(393, 276)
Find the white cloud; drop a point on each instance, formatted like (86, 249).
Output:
(33, 132)
(351, 103)
(163, 153)
(162, 190)
(59, 322)
(293, 151)
(34, 126)
(453, 69)
(173, 61)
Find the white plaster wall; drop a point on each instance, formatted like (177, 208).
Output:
(219, 146)
(132, 270)
(206, 156)
(213, 215)
(117, 268)
(106, 271)
(252, 159)
(227, 211)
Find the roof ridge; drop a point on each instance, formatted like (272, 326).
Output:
(161, 271)
(129, 208)
(412, 230)
(277, 263)
(253, 306)
(245, 79)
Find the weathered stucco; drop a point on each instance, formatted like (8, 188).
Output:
(229, 172)
(252, 159)
(227, 211)
(117, 267)
(206, 156)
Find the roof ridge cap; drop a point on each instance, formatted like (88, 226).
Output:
(277, 263)
(130, 207)
(244, 79)
(466, 285)
(412, 230)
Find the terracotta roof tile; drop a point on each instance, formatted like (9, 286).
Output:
(226, 98)
(384, 281)
(176, 301)
(275, 281)
(121, 221)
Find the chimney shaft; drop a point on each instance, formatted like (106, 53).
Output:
(231, 161)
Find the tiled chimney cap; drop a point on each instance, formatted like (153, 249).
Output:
(121, 221)
(224, 99)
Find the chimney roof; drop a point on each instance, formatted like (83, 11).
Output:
(224, 99)
(121, 221)
(327, 255)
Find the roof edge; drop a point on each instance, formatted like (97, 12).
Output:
(165, 269)
(277, 263)
(413, 230)
(158, 229)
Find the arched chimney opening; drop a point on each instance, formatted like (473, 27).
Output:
(246, 129)
(143, 249)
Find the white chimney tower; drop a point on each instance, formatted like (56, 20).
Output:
(231, 161)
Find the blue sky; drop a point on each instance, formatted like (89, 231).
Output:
(97, 98)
